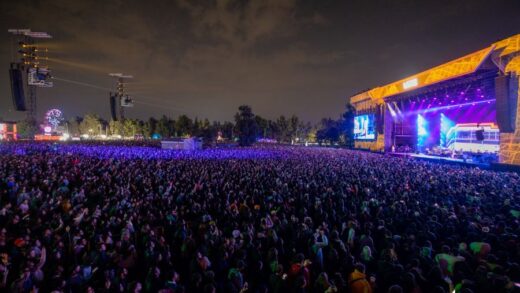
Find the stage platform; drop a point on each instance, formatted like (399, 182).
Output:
(495, 166)
(444, 160)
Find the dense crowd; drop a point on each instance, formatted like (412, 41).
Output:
(87, 218)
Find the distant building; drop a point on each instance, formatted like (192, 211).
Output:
(8, 130)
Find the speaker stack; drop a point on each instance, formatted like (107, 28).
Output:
(380, 119)
(17, 88)
(506, 103)
(113, 105)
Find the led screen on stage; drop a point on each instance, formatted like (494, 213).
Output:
(364, 127)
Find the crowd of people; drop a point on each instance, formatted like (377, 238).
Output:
(90, 218)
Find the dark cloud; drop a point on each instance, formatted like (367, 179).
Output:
(206, 57)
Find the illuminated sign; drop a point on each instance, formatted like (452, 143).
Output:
(410, 83)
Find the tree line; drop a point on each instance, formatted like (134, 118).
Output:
(246, 128)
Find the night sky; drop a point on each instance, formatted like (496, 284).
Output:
(206, 57)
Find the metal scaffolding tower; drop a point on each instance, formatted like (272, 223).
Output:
(31, 61)
(123, 99)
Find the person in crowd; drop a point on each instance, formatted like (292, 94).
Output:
(124, 217)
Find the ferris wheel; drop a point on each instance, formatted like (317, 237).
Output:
(54, 117)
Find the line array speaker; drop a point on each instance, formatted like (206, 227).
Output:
(506, 104)
(17, 92)
(380, 119)
(113, 106)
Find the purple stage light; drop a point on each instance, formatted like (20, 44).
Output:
(434, 107)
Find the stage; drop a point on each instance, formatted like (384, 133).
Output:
(467, 106)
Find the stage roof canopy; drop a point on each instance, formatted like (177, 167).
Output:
(505, 54)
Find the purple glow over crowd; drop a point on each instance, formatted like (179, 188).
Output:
(130, 217)
(137, 152)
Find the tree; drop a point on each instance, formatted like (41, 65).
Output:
(329, 131)
(184, 125)
(209, 131)
(140, 127)
(302, 131)
(205, 124)
(103, 126)
(152, 126)
(90, 125)
(115, 127)
(283, 129)
(163, 127)
(73, 126)
(262, 126)
(272, 129)
(130, 127)
(27, 128)
(245, 125)
(172, 130)
(147, 129)
(196, 127)
(312, 135)
(227, 130)
(294, 123)
(347, 125)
